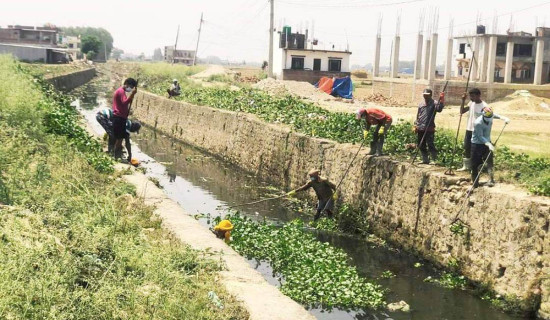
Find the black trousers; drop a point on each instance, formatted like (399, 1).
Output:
(468, 144)
(480, 152)
(428, 142)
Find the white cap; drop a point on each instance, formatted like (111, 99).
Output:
(175, 80)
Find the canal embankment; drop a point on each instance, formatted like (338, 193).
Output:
(503, 244)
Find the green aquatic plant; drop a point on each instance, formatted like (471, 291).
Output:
(311, 272)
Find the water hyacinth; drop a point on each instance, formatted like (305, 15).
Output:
(311, 272)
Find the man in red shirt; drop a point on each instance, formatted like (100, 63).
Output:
(382, 120)
(121, 110)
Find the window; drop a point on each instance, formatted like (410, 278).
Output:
(317, 64)
(462, 48)
(297, 63)
(501, 49)
(334, 65)
(523, 74)
(523, 50)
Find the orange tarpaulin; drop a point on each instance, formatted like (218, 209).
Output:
(325, 84)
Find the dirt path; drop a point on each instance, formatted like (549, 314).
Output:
(211, 70)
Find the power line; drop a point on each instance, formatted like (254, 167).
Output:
(348, 5)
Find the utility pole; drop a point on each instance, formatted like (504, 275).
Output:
(198, 39)
(175, 45)
(271, 18)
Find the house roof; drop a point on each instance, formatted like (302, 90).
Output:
(317, 50)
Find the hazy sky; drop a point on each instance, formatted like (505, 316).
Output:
(238, 29)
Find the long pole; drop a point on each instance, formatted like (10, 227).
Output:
(471, 189)
(175, 45)
(271, 22)
(450, 170)
(198, 39)
(426, 128)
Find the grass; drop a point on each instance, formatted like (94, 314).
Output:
(163, 73)
(75, 243)
(54, 70)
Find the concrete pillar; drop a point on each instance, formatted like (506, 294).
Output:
(509, 62)
(474, 61)
(376, 64)
(418, 61)
(539, 61)
(433, 57)
(395, 58)
(483, 59)
(425, 67)
(491, 59)
(449, 60)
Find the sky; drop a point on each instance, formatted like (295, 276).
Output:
(237, 30)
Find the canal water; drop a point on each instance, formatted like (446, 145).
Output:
(204, 184)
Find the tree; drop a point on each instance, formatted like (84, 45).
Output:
(91, 43)
(117, 53)
(103, 35)
(90, 55)
(141, 56)
(157, 55)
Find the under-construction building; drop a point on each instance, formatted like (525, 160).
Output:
(178, 56)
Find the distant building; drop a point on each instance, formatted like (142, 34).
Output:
(178, 56)
(528, 60)
(29, 35)
(32, 44)
(72, 44)
(300, 59)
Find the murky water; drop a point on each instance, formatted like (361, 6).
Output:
(202, 183)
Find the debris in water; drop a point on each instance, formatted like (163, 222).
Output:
(399, 306)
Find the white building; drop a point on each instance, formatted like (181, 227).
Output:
(300, 59)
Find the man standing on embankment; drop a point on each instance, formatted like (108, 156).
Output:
(382, 120)
(424, 126)
(121, 111)
(482, 147)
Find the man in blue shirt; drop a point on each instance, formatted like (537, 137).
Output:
(482, 148)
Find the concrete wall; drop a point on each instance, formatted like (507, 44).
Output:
(30, 54)
(507, 247)
(311, 76)
(72, 80)
(409, 91)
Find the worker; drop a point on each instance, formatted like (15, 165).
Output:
(104, 117)
(382, 120)
(175, 89)
(482, 148)
(223, 230)
(424, 126)
(474, 108)
(325, 191)
(121, 110)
